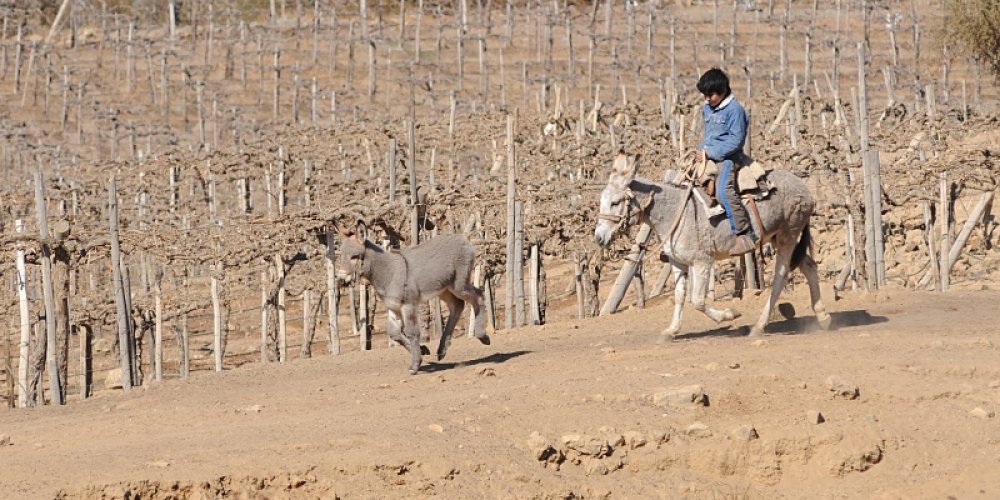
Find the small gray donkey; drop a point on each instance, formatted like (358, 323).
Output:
(440, 267)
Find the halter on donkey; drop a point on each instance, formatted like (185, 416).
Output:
(693, 243)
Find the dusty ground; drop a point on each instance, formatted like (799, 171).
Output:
(593, 391)
(577, 408)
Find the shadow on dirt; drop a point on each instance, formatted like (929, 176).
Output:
(495, 358)
(795, 325)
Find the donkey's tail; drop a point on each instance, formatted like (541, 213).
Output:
(803, 248)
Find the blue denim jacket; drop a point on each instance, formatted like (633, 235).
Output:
(725, 130)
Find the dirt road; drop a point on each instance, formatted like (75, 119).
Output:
(906, 384)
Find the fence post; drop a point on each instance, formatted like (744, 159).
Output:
(628, 270)
(124, 323)
(24, 347)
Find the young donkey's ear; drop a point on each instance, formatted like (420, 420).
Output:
(623, 170)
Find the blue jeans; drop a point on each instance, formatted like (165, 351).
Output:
(725, 192)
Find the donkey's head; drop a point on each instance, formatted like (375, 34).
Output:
(618, 206)
(352, 256)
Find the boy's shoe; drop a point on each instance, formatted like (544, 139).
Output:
(716, 210)
(744, 244)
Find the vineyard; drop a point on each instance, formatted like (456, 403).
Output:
(175, 174)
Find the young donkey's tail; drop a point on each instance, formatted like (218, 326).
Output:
(803, 248)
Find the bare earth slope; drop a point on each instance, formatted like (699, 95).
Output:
(571, 409)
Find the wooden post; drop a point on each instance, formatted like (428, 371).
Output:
(874, 167)
(628, 270)
(124, 324)
(977, 213)
(25, 343)
(931, 101)
(511, 198)
(52, 365)
(519, 317)
(534, 285)
(945, 227)
(276, 96)
(391, 166)
(308, 324)
(411, 164)
(279, 267)
(872, 192)
(217, 326)
(265, 300)
(639, 286)
(371, 69)
(158, 329)
(365, 327)
(850, 264)
(934, 274)
(332, 294)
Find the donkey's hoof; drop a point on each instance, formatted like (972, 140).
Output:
(424, 350)
(666, 336)
(732, 314)
(440, 356)
(787, 310)
(484, 339)
(825, 321)
(413, 371)
(756, 332)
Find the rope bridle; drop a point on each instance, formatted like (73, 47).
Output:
(621, 221)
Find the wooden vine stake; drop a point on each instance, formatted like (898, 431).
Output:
(511, 198)
(217, 326)
(125, 345)
(332, 293)
(23, 399)
(48, 292)
(279, 267)
(945, 227)
(628, 271)
(265, 302)
(158, 331)
(874, 238)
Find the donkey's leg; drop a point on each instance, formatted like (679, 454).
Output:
(680, 294)
(455, 307)
(782, 262)
(411, 331)
(393, 328)
(808, 267)
(474, 297)
(699, 288)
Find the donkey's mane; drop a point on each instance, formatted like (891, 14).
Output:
(647, 186)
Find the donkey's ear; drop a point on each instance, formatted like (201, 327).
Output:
(622, 171)
(343, 231)
(362, 232)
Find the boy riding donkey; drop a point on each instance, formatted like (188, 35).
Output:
(725, 132)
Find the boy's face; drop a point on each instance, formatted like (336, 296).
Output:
(714, 99)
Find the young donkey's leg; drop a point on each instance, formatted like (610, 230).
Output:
(455, 307)
(411, 332)
(474, 297)
(680, 294)
(699, 288)
(393, 328)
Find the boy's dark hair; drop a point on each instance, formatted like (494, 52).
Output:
(714, 81)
